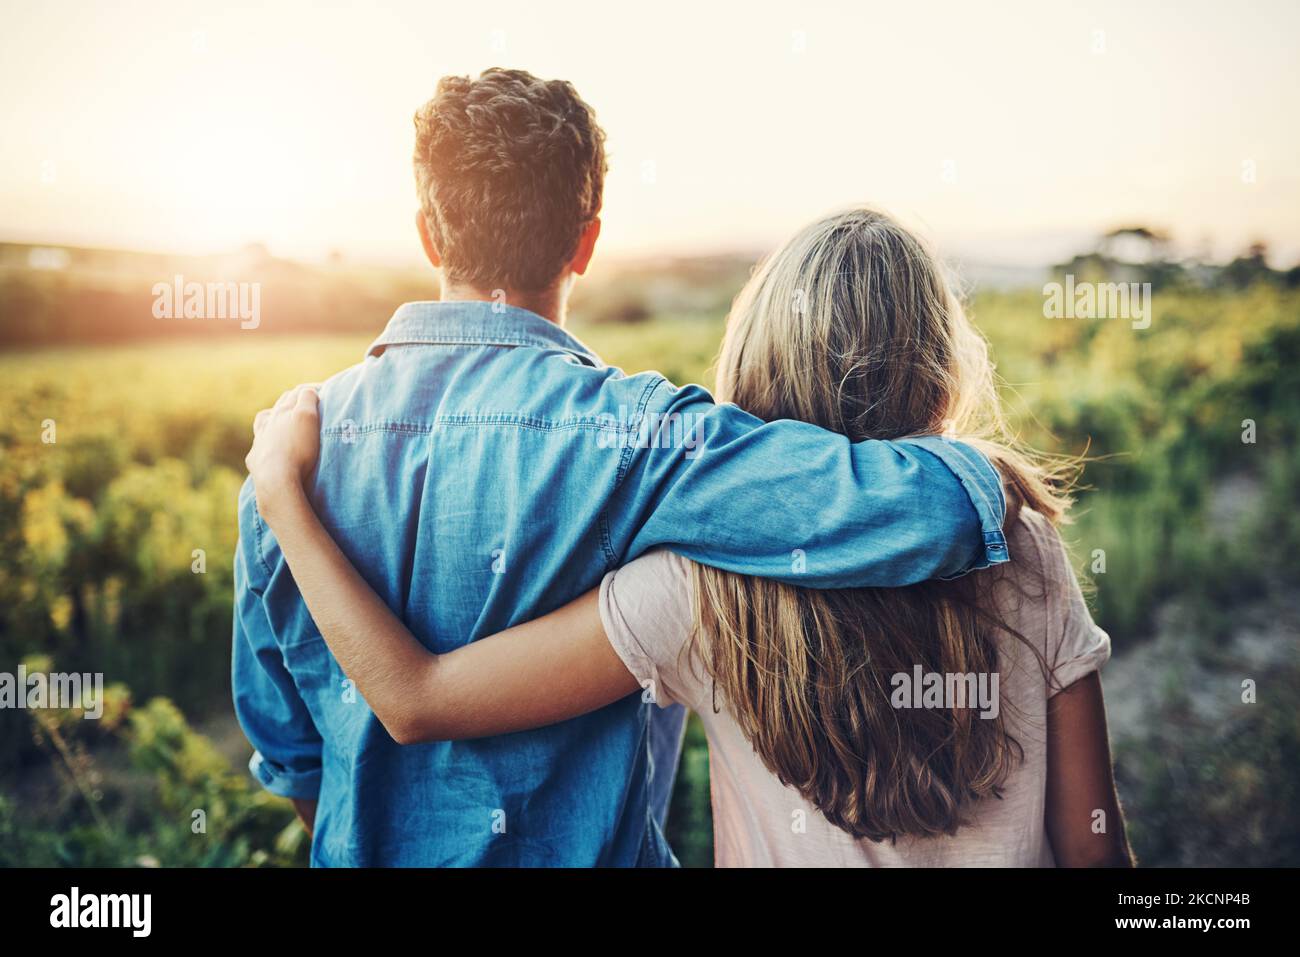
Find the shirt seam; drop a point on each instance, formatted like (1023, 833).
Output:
(625, 461)
(452, 340)
(258, 547)
(533, 423)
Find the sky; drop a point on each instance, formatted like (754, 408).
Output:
(1009, 133)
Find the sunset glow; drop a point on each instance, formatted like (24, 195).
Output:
(162, 126)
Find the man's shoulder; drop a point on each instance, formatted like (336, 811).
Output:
(552, 372)
(608, 388)
(420, 384)
(342, 382)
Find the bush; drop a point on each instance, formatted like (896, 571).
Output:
(141, 788)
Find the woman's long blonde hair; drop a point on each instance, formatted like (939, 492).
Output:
(853, 325)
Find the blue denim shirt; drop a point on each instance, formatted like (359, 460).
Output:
(481, 467)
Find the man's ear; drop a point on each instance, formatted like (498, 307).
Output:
(586, 246)
(430, 250)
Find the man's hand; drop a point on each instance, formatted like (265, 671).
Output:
(286, 446)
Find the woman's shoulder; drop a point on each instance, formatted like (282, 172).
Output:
(658, 581)
(1075, 643)
(647, 609)
(660, 564)
(1029, 588)
(1035, 544)
(653, 596)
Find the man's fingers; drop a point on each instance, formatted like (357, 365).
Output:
(260, 420)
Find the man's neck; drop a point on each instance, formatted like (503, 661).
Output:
(550, 304)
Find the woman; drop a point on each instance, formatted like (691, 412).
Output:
(949, 723)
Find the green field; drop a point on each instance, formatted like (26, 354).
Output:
(99, 531)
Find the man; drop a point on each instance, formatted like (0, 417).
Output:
(482, 467)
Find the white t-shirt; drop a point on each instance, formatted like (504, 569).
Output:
(647, 611)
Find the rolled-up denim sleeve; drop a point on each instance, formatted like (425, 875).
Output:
(287, 746)
(790, 501)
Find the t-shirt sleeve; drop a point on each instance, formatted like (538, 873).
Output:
(646, 608)
(1076, 645)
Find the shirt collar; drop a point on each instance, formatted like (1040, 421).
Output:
(476, 323)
